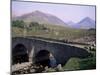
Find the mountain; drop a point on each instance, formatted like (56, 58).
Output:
(86, 23)
(40, 17)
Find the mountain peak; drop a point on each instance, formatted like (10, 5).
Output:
(87, 18)
(37, 11)
(86, 23)
(41, 17)
(40, 13)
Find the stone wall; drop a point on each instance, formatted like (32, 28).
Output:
(61, 51)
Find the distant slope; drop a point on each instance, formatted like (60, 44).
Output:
(86, 23)
(40, 17)
(71, 24)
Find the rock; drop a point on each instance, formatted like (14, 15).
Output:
(46, 68)
(32, 70)
(59, 67)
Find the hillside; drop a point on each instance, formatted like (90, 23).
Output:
(56, 32)
(86, 23)
(41, 18)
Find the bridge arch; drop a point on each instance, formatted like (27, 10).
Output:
(19, 54)
(45, 58)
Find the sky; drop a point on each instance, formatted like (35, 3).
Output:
(65, 12)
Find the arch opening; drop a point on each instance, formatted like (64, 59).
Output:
(19, 54)
(45, 58)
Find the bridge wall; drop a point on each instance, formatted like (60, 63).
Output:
(61, 52)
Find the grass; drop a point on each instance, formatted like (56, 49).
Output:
(72, 64)
(53, 31)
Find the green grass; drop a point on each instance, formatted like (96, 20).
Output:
(53, 31)
(72, 64)
(80, 64)
(89, 63)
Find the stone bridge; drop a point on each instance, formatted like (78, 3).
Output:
(37, 50)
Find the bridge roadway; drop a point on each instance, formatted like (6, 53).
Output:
(76, 44)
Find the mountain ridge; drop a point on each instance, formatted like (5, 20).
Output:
(46, 18)
(40, 17)
(85, 23)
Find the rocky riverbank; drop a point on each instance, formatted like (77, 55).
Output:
(28, 68)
